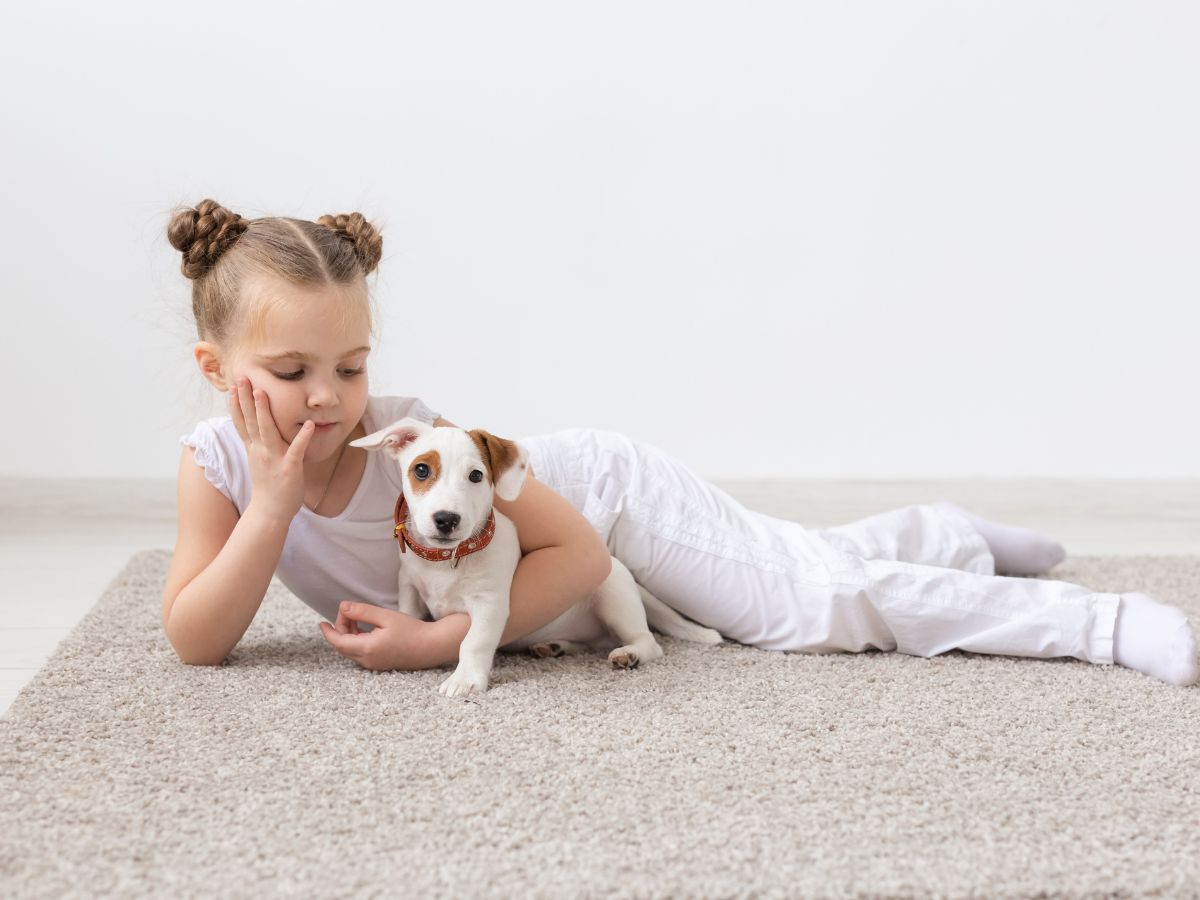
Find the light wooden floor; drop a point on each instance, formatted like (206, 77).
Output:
(64, 541)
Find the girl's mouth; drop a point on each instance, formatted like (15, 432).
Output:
(326, 427)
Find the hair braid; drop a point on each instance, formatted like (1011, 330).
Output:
(367, 242)
(202, 233)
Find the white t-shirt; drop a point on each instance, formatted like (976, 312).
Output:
(350, 556)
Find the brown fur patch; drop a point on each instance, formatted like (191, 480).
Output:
(433, 459)
(499, 455)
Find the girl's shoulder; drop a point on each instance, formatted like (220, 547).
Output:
(383, 410)
(218, 432)
(218, 449)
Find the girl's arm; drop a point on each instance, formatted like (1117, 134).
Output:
(220, 570)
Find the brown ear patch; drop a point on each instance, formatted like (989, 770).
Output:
(498, 454)
(433, 459)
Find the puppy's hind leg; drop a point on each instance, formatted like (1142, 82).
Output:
(543, 649)
(618, 605)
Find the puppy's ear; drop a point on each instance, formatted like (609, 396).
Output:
(507, 462)
(393, 439)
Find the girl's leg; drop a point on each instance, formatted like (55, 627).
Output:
(944, 534)
(775, 585)
(925, 534)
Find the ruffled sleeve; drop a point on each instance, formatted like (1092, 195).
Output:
(211, 456)
(424, 413)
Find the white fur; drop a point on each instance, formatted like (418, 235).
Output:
(479, 584)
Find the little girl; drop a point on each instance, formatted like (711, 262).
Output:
(284, 320)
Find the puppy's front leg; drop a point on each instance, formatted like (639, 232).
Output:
(489, 614)
(410, 602)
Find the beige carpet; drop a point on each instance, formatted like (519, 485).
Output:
(717, 772)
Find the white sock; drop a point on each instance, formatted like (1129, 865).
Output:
(1155, 638)
(1017, 551)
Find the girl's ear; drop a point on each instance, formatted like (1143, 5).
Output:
(208, 358)
(393, 439)
(507, 462)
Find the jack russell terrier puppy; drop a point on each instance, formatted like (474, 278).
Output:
(458, 554)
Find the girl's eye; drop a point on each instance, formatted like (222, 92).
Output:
(476, 476)
(295, 376)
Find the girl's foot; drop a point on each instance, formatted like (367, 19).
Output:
(1155, 639)
(1017, 551)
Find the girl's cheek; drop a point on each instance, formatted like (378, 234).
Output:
(276, 399)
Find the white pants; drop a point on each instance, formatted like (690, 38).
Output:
(917, 579)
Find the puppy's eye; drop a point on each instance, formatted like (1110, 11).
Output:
(421, 471)
(476, 476)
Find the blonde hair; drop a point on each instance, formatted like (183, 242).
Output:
(229, 258)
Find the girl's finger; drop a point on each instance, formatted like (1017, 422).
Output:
(246, 398)
(235, 412)
(301, 440)
(267, 428)
(345, 644)
(369, 613)
(345, 624)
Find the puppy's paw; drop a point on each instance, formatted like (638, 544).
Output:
(463, 684)
(624, 658)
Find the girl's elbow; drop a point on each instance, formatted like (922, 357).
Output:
(201, 662)
(194, 659)
(190, 656)
(189, 659)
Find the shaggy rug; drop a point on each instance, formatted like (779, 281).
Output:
(716, 772)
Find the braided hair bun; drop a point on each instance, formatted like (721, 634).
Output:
(202, 233)
(367, 242)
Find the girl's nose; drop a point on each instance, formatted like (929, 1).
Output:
(323, 395)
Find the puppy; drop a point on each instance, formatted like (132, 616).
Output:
(458, 554)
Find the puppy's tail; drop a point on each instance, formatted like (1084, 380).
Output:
(666, 620)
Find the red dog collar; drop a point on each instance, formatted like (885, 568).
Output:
(436, 554)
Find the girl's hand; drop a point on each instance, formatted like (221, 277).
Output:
(389, 646)
(276, 468)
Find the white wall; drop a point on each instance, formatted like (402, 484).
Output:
(776, 239)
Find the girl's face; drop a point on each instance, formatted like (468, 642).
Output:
(310, 368)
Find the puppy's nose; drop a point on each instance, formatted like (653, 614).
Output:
(446, 521)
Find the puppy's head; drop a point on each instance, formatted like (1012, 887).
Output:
(449, 476)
